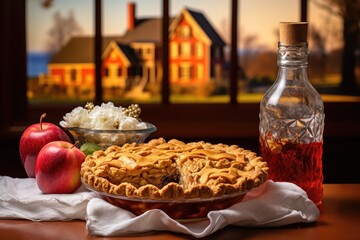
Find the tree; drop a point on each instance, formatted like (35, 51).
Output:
(249, 47)
(318, 41)
(63, 29)
(349, 12)
(46, 3)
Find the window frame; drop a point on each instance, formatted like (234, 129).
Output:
(185, 31)
(73, 75)
(185, 72)
(119, 72)
(173, 120)
(199, 72)
(174, 50)
(185, 49)
(106, 72)
(199, 52)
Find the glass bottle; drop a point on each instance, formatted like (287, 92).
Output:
(292, 118)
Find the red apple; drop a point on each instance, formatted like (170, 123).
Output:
(58, 167)
(34, 138)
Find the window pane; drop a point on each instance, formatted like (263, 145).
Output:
(328, 49)
(199, 50)
(258, 23)
(199, 38)
(131, 42)
(60, 51)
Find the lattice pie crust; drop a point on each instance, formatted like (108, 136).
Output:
(173, 170)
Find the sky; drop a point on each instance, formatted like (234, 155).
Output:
(256, 17)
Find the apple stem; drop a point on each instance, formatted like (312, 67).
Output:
(41, 119)
(74, 145)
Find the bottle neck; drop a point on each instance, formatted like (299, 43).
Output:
(293, 61)
(293, 55)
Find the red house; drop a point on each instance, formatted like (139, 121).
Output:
(133, 61)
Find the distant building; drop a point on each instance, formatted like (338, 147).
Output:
(196, 55)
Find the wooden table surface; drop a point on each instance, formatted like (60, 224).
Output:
(340, 219)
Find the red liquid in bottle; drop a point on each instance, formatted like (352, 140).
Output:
(297, 163)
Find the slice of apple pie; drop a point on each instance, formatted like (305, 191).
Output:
(173, 170)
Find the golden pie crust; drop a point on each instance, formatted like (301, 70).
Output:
(173, 169)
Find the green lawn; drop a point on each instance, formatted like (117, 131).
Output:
(330, 82)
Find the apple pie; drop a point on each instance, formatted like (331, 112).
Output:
(173, 169)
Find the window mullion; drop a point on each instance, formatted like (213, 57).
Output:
(13, 85)
(234, 55)
(303, 10)
(165, 90)
(97, 57)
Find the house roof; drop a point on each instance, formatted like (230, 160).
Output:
(206, 26)
(129, 53)
(146, 30)
(80, 50)
(126, 51)
(149, 29)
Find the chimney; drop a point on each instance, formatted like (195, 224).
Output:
(131, 15)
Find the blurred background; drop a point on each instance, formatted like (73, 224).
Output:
(198, 69)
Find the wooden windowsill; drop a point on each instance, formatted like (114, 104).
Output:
(210, 120)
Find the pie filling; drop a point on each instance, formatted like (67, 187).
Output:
(174, 169)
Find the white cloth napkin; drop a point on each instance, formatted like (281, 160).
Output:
(272, 204)
(20, 198)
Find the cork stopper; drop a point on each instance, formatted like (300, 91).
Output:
(293, 32)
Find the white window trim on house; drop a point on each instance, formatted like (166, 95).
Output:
(174, 72)
(185, 31)
(174, 50)
(113, 54)
(200, 71)
(185, 73)
(89, 79)
(113, 70)
(113, 80)
(68, 79)
(199, 50)
(185, 49)
(144, 50)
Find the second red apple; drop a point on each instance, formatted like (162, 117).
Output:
(58, 167)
